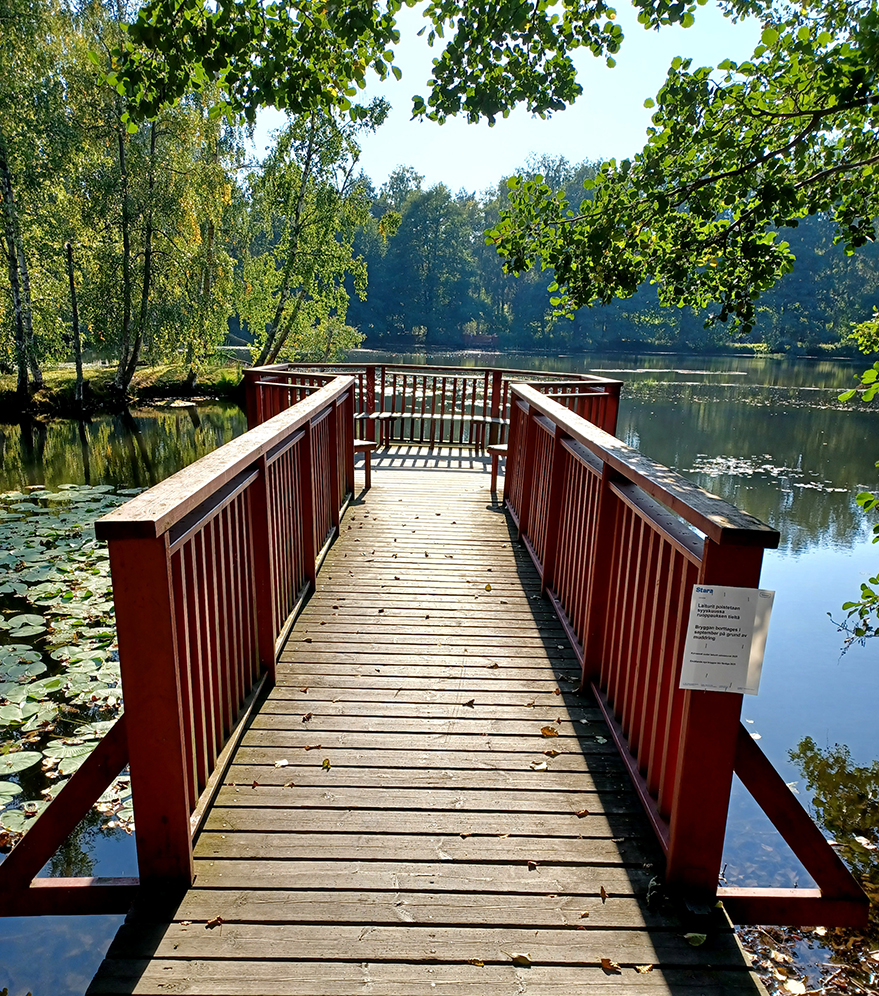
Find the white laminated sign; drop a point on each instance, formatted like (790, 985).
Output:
(726, 637)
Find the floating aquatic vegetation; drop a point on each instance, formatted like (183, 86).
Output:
(59, 672)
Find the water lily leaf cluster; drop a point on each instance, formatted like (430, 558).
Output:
(59, 671)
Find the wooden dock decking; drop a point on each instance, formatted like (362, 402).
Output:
(422, 805)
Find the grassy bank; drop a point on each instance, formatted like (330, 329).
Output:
(57, 397)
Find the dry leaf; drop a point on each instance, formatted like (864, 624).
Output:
(476, 961)
(584, 914)
(492, 665)
(538, 765)
(611, 967)
(779, 956)
(695, 940)
(532, 866)
(519, 958)
(288, 785)
(254, 785)
(794, 986)
(488, 587)
(581, 813)
(311, 747)
(326, 765)
(185, 923)
(603, 894)
(282, 763)
(303, 690)
(552, 753)
(549, 731)
(307, 717)
(471, 703)
(308, 639)
(464, 836)
(216, 922)
(529, 705)
(556, 691)
(643, 969)
(866, 842)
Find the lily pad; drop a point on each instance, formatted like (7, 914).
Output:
(8, 790)
(19, 761)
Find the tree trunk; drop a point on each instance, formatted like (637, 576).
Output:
(77, 340)
(272, 348)
(147, 265)
(19, 306)
(120, 382)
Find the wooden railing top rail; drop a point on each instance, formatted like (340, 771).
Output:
(560, 377)
(716, 518)
(161, 507)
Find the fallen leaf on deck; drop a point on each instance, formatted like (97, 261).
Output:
(794, 986)
(695, 940)
(307, 717)
(488, 587)
(549, 731)
(308, 639)
(288, 785)
(518, 958)
(538, 765)
(474, 961)
(643, 969)
(585, 913)
(503, 835)
(603, 894)
(529, 705)
(216, 922)
(282, 763)
(326, 765)
(303, 690)
(255, 784)
(611, 967)
(581, 813)
(464, 836)
(556, 691)
(532, 866)
(492, 665)
(311, 747)
(471, 703)
(185, 923)
(552, 753)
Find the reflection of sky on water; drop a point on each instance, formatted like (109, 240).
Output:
(53, 955)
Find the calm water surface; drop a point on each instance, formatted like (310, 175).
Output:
(766, 434)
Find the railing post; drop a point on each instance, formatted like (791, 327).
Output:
(612, 410)
(527, 430)
(497, 380)
(370, 402)
(306, 494)
(706, 756)
(512, 446)
(332, 458)
(348, 455)
(597, 583)
(148, 661)
(252, 399)
(263, 567)
(553, 514)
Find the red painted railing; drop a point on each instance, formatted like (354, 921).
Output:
(438, 406)
(619, 542)
(209, 570)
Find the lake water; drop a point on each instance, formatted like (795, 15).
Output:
(766, 434)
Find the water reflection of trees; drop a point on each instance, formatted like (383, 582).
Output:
(845, 802)
(134, 450)
(796, 468)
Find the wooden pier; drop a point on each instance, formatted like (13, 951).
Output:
(424, 737)
(422, 804)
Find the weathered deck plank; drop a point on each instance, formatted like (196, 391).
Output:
(472, 830)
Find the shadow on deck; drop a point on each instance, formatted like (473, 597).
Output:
(422, 804)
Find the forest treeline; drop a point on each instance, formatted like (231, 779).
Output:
(157, 241)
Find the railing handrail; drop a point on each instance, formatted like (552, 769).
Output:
(419, 367)
(157, 510)
(712, 515)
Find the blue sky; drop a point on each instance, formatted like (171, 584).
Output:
(609, 119)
